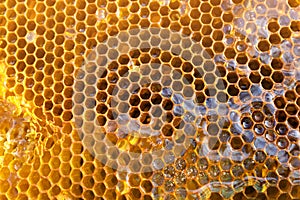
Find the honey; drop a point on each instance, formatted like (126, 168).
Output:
(140, 99)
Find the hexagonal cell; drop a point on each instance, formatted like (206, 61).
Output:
(250, 192)
(236, 143)
(158, 179)
(135, 165)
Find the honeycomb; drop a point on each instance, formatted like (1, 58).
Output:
(149, 99)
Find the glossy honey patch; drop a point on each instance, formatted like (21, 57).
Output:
(140, 99)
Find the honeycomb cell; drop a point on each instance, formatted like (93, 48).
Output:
(250, 192)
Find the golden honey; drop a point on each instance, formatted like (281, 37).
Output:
(142, 99)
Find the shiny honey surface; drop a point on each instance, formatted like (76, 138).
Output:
(142, 99)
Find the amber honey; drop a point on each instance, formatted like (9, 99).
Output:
(140, 99)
